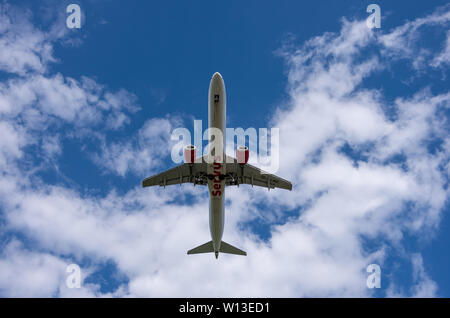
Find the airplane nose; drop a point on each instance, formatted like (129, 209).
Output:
(217, 75)
(217, 87)
(217, 80)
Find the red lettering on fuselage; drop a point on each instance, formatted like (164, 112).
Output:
(216, 180)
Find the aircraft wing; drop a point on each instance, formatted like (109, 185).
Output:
(248, 174)
(235, 174)
(185, 173)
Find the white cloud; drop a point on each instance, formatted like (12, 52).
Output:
(40, 99)
(423, 286)
(403, 41)
(11, 142)
(142, 153)
(26, 273)
(29, 274)
(35, 104)
(444, 56)
(24, 48)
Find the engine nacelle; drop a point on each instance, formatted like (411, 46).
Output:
(190, 153)
(242, 154)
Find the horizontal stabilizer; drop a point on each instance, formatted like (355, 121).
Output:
(229, 249)
(205, 248)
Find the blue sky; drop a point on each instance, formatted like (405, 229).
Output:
(86, 114)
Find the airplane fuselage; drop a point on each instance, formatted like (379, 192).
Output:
(216, 185)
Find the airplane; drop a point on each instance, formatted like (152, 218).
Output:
(220, 172)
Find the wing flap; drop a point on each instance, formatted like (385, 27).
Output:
(185, 173)
(248, 174)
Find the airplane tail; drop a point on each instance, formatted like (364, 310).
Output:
(205, 248)
(209, 248)
(230, 249)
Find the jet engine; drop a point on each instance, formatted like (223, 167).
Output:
(242, 154)
(190, 153)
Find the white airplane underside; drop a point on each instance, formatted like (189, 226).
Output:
(217, 174)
